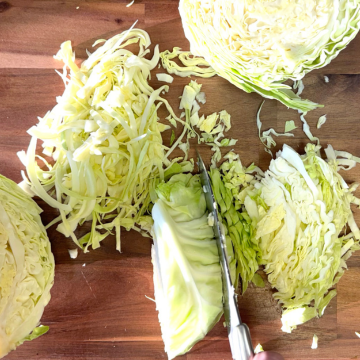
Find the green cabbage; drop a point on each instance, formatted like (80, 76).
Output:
(26, 265)
(187, 273)
(258, 45)
(105, 140)
(301, 210)
(229, 183)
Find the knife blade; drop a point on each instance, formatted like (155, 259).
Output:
(238, 332)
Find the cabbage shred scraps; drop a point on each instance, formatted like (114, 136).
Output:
(193, 65)
(104, 139)
(230, 183)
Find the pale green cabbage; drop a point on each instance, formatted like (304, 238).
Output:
(105, 140)
(300, 211)
(187, 273)
(192, 65)
(26, 265)
(257, 45)
(230, 183)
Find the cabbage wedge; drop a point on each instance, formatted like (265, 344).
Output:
(187, 273)
(301, 211)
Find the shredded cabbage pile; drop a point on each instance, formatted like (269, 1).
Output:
(104, 141)
(27, 267)
(301, 213)
(258, 44)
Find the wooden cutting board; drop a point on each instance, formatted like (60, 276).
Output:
(98, 308)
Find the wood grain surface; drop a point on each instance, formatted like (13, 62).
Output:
(98, 308)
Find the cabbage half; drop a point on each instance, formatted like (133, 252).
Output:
(301, 212)
(257, 45)
(187, 273)
(26, 265)
(229, 183)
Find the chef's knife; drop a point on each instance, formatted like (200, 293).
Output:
(238, 332)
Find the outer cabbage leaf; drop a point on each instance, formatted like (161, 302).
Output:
(187, 273)
(26, 265)
(258, 45)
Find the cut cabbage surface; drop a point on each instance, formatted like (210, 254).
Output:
(27, 267)
(259, 44)
(301, 211)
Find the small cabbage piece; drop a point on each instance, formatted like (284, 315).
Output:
(314, 344)
(258, 45)
(104, 139)
(258, 349)
(73, 253)
(266, 136)
(321, 121)
(306, 129)
(165, 78)
(300, 211)
(187, 273)
(27, 267)
(290, 126)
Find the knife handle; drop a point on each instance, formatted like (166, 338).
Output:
(240, 342)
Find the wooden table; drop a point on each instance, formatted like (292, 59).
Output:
(98, 308)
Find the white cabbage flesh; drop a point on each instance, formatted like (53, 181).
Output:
(258, 44)
(187, 273)
(301, 209)
(26, 267)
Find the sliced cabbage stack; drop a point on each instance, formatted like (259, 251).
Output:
(257, 45)
(231, 183)
(187, 273)
(301, 213)
(104, 141)
(27, 267)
